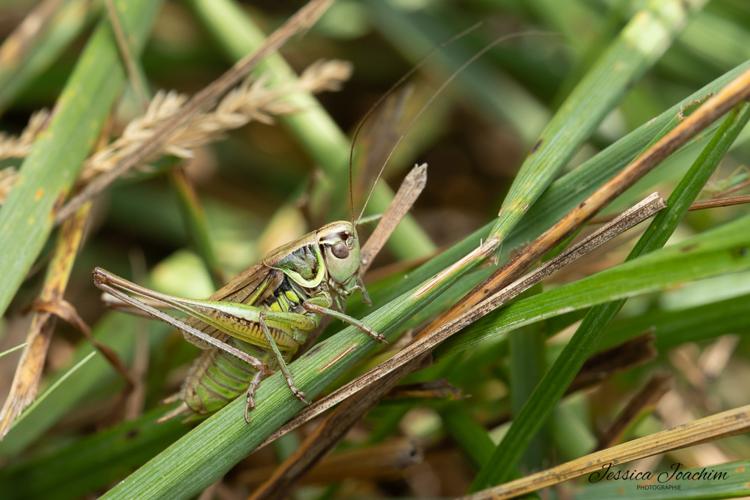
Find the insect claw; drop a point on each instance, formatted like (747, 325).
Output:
(372, 333)
(299, 395)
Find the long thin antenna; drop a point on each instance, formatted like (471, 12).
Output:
(363, 121)
(435, 95)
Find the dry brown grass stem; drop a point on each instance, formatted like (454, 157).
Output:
(253, 100)
(728, 201)
(645, 400)
(698, 431)
(28, 374)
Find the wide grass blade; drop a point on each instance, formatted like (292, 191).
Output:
(690, 324)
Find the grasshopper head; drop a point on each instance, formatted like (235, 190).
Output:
(340, 247)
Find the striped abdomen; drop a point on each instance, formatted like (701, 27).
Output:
(216, 377)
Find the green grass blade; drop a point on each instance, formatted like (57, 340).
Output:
(640, 44)
(48, 173)
(549, 391)
(692, 324)
(669, 327)
(196, 224)
(54, 387)
(527, 366)
(656, 271)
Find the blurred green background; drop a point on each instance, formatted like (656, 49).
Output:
(255, 186)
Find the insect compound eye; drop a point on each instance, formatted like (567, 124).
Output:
(347, 237)
(340, 250)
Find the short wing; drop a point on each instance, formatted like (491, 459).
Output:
(252, 286)
(242, 286)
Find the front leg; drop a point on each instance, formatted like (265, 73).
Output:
(321, 304)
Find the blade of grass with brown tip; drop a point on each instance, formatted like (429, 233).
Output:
(733, 93)
(28, 215)
(570, 190)
(28, 374)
